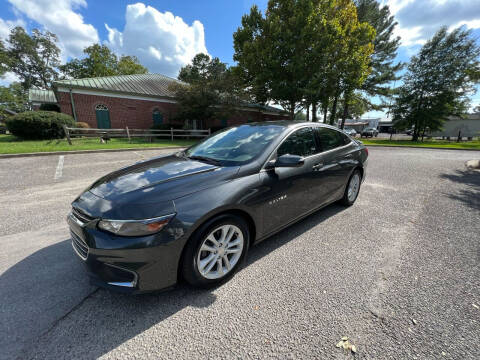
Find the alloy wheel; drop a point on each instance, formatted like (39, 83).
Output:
(220, 251)
(353, 187)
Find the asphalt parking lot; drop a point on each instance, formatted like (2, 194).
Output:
(397, 273)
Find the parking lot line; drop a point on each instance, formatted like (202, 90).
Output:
(59, 170)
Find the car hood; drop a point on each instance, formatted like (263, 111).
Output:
(160, 179)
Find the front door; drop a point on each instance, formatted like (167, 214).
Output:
(103, 117)
(288, 191)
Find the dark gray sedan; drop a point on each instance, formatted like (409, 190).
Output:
(195, 213)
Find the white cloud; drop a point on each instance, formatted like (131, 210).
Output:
(162, 42)
(8, 78)
(59, 17)
(7, 25)
(419, 19)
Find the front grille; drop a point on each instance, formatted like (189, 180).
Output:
(81, 216)
(79, 246)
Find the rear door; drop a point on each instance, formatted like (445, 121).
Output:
(286, 193)
(335, 162)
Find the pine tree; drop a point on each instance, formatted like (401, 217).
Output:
(438, 82)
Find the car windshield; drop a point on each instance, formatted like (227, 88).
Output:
(236, 145)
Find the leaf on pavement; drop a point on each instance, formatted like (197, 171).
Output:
(345, 344)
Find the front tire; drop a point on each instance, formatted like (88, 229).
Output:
(215, 251)
(352, 189)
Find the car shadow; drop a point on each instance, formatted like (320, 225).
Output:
(51, 285)
(470, 196)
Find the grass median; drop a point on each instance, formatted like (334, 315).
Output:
(440, 144)
(10, 144)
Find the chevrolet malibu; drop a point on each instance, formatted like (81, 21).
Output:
(194, 214)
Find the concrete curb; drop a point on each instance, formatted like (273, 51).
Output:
(418, 147)
(49, 153)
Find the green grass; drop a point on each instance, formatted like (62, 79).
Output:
(10, 144)
(441, 144)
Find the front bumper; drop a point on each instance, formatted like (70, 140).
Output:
(127, 264)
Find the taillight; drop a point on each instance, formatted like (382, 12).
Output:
(366, 150)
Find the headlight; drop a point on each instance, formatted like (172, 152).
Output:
(135, 227)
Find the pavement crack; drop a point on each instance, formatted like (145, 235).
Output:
(55, 324)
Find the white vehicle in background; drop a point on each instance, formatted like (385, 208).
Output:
(350, 131)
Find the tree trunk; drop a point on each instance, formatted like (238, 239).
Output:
(325, 111)
(345, 111)
(308, 112)
(314, 112)
(292, 110)
(334, 110)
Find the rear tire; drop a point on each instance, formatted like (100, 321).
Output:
(352, 189)
(215, 251)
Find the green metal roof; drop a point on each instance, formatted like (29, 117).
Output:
(155, 85)
(41, 96)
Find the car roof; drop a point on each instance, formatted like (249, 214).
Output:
(291, 124)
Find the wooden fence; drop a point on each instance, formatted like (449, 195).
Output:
(107, 134)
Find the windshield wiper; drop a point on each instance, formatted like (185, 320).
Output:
(205, 159)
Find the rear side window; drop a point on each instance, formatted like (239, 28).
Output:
(330, 139)
(301, 143)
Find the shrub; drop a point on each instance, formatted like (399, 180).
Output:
(82, 125)
(49, 107)
(39, 124)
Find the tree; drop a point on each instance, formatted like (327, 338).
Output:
(341, 50)
(300, 115)
(202, 69)
(13, 98)
(384, 68)
(208, 89)
(270, 52)
(3, 59)
(129, 65)
(33, 58)
(101, 61)
(438, 82)
(302, 52)
(357, 105)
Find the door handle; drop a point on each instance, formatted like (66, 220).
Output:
(317, 166)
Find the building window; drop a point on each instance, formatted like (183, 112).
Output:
(157, 117)
(103, 117)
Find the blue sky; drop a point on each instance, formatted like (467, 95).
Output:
(166, 34)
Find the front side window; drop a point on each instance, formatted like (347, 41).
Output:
(330, 139)
(236, 145)
(301, 143)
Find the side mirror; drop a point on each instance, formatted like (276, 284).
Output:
(288, 160)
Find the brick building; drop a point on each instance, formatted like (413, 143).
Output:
(137, 101)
